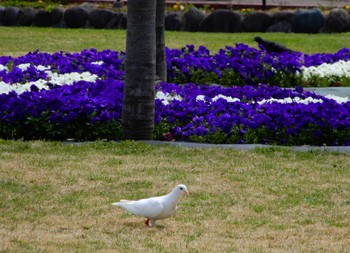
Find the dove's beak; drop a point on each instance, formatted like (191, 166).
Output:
(187, 192)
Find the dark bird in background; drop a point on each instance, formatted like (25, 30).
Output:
(272, 47)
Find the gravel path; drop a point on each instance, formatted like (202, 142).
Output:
(341, 92)
(340, 149)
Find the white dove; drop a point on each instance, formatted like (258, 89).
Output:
(154, 208)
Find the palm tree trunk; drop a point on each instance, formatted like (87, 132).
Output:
(138, 104)
(161, 70)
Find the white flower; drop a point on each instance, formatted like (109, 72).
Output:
(228, 99)
(200, 98)
(41, 84)
(20, 88)
(70, 78)
(42, 68)
(23, 66)
(5, 88)
(339, 100)
(297, 100)
(97, 62)
(339, 69)
(167, 97)
(2, 67)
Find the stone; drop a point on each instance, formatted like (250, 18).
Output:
(26, 16)
(100, 18)
(281, 27)
(123, 20)
(307, 21)
(256, 22)
(282, 16)
(117, 4)
(56, 17)
(49, 18)
(117, 21)
(338, 20)
(114, 21)
(281, 22)
(75, 17)
(2, 10)
(9, 16)
(192, 19)
(222, 21)
(88, 6)
(42, 19)
(173, 21)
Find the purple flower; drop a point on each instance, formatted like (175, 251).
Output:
(92, 110)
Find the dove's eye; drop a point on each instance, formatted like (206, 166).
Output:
(181, 188)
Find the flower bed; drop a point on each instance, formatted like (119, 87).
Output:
(243, 65)
(62, 95)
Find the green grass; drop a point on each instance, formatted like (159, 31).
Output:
(20, 40)
(57, 198)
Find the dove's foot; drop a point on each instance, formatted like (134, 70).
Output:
(150, 223)
(153, 223)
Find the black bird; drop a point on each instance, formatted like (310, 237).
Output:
(272, 47)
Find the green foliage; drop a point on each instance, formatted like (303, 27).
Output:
(218, 137)
(201, 76)
(42, 128)
(160, 129)
(230, 78)
(286, 79)
(262, 135)
(327, 81)
(42, 4)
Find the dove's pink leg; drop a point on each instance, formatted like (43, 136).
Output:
(147, 222)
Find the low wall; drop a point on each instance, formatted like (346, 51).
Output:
(90, 15)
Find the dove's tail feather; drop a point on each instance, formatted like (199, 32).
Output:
(120, 202)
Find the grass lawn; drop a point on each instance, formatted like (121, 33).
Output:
(20, 40)
(57, 198)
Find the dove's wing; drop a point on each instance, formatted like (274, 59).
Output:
(149, 208)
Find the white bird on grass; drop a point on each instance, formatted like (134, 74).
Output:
(154, 208)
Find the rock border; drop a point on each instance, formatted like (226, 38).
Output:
(89, 15)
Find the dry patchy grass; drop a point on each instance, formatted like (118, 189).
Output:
(57, 198)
